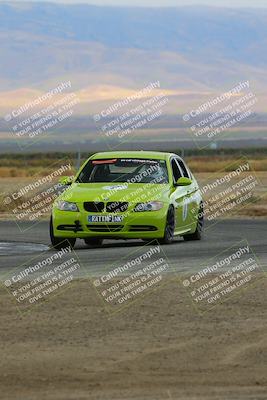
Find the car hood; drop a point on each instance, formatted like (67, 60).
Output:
(128, 192)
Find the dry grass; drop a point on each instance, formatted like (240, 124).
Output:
(15, 173)
(214, 164)
(35, 166)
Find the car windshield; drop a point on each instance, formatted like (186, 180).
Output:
(124, 170)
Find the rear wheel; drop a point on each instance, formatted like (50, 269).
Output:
(93, 241)
(58, 242)
(197, 235)
(169, 227)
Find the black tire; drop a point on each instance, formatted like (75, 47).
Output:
(93, 241)
(60, 243)
(197, 235)
(169, 227)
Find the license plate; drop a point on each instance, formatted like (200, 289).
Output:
(105, 218)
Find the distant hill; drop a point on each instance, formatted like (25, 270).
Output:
(200, 49)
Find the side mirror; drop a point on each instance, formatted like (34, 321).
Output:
(183, 181)
(65, 180)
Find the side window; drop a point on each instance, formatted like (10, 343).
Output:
(186, 173)
(175, 171)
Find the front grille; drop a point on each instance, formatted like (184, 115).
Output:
(116, 207)
(105, 228)
(111, 207)
(94, 206)
(142, 228)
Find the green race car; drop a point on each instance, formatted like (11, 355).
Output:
(128, 195)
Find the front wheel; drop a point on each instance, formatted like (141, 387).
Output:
(169, 227)
(197, 235)
(60, 243)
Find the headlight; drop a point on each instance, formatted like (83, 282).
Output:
(150, 206)
(66, 206)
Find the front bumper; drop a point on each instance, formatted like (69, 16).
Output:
(143, 225)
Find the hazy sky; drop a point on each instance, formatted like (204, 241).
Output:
(173, 3)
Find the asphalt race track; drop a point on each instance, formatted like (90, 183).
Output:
(17, 247)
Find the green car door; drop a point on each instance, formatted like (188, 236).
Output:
(184, 197)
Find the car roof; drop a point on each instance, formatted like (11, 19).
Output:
(156, 155)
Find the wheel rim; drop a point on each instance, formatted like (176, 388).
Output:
(200, 221)
(170, 225)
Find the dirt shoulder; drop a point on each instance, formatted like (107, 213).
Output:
(158, 348)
